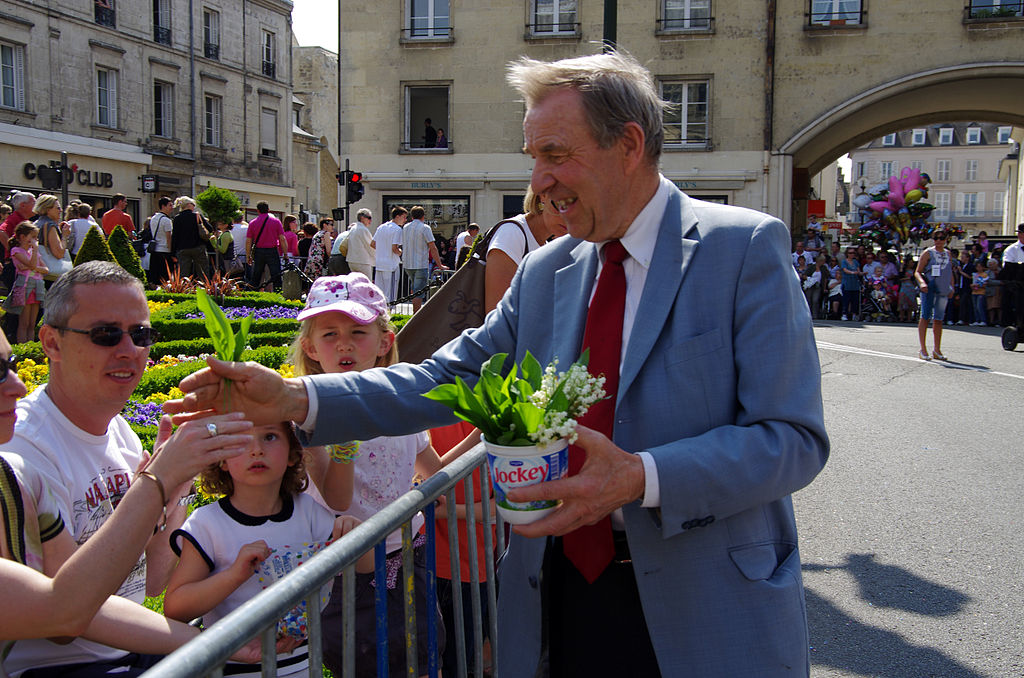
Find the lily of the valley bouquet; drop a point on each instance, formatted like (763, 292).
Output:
(527, 418)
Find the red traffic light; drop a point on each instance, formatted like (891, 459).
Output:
(355, 176)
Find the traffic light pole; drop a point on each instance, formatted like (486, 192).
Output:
(347, 220)
(64, 170)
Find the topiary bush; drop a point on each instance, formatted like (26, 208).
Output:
(175, 329)
(203, 346)
(124, 254)
(218, 204)
(94, 248)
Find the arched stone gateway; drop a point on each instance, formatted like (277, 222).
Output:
(985, 91)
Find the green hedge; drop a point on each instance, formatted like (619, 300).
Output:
(162, 380)
(174, 329)
(254, 299)
(203, 346)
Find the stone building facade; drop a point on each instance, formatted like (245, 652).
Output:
(769, 93)
(963, 161)
(133, 88)
(315, 132)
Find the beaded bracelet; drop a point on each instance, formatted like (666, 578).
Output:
(163, 496)
(344, 453)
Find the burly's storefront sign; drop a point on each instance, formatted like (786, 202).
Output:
(82, 177)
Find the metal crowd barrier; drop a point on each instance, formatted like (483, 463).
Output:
(207, 654)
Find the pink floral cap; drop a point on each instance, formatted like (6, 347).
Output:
(352, 294)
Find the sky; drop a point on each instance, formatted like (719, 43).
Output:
(315, 23)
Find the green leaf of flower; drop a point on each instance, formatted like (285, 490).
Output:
(532, 371)
(242, 338)
(528, 418)
(217, 326)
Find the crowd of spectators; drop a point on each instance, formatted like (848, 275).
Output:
(864, 282)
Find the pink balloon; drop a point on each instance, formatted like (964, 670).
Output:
(912, 181)
(879, 205)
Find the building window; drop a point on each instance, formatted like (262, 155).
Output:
(106, 97)
(974, 135)
(835, 12)
(269, 54)
(942, 205)
(942, 170)
(860, 169)
(1004, 134)
(889, 140)
(946, 136)
(998, 204)
(684, 15)
(426, 112)
(104, 13)
(969, 205)
(429, 19)
(886, 169)
(916, 164)
(554, 17)
(686, 120)
(919, 137)
(268, 132)
(211, 34)
(212, 121)
(970, 170)
(162, 21)
(12, 76)
(995, 9)
(163, 109)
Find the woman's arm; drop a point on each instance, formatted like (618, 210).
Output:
(54, 242)
(193, 591)
(918, 272)
(498, 276)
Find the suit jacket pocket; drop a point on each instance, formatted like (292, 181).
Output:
(694, 347)
(758, 562)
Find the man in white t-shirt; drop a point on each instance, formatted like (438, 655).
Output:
(97, 336)
(160, 226)
(239, 229)
(387, 242)
(361, 255)
(465, 239)
(418, 248)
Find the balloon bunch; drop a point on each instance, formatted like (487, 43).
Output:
(894, 212)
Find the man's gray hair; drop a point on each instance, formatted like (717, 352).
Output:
(615, 89)
(60, 299)
(364, 213)
(20, 198)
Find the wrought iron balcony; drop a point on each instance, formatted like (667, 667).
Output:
(211, 50)
(162, 35)
(105, 16)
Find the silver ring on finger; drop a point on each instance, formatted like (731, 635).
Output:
(211, 428)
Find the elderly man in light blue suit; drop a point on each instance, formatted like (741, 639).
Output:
(718, 418)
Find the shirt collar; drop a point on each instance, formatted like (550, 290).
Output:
(642, 235)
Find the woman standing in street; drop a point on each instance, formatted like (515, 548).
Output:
(934, 276)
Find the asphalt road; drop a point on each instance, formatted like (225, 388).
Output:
(911, 537)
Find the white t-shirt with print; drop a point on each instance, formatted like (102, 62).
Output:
(87, 475)
(219, 531)
(383, 472)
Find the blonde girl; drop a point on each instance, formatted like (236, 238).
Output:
(346, 327)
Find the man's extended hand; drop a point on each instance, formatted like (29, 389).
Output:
(261, 393)
(610, 478)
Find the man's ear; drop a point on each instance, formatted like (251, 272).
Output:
(50, 339)
(633, 146)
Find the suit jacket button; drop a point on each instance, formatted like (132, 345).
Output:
(533, 581)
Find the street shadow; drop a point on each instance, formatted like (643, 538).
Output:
(955, 365)
(891, 586)
(842, 642)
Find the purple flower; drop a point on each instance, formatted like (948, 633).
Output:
(142, 414)
(266, 313)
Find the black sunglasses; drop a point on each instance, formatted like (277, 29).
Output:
(109, 335)
(8, 365)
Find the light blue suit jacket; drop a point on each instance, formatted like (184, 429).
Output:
(720, 384)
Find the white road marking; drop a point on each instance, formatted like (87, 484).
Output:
(828, 346)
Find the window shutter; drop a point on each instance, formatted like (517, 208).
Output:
(268, 130)
(959, 203)
(19, 77)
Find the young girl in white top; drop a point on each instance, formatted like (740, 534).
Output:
(220, 546)
(346, 327)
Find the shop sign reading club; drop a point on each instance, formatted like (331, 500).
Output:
(83, 177)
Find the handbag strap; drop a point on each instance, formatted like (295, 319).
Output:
(256, 242)
(480, 249)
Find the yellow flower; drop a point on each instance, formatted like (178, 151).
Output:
(33, 374)
(287, 371)
(155, 306)
(161, 398)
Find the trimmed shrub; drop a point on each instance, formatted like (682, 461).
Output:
(94, 248)
(121, 247)
(30, 349)
(203, 346)
(175, 329)
(164, 379)
(218, 204)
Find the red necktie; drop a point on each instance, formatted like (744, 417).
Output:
(590, 548)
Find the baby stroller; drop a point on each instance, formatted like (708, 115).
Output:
(876, 307)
